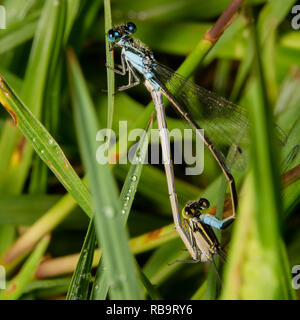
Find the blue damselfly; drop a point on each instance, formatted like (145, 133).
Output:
(202, 109)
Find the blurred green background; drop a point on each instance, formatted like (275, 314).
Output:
(255, 63)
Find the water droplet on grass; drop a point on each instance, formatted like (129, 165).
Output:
(108, 211)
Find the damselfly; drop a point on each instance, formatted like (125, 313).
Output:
(214, 114)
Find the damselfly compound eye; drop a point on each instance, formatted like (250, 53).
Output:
(131, 27)
(110, 35)
(203, 203)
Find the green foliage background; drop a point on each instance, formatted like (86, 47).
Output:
(53, 78)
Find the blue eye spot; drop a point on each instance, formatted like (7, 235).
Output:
(116, 33)
(131, 27)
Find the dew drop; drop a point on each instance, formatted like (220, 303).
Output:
(108, 211)
(123, 211)
(133, 178)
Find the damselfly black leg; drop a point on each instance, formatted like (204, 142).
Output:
(130, 84)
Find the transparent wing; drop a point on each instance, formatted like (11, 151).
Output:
(225, 123)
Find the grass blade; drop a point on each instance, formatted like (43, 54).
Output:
(257, 248)
(100, 287)
(16, 286)
(78, 289)
(45, 145)
(43, 56)
(110, 232)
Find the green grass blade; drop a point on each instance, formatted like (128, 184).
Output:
(7, 236)
(257, 249)
(27, 209)
(150, 288)
(100, 287)
(45, 146)
(19, 32)
(46, 289)
(16, 286)
(111, 234)
(78, 289)
(45, 48)
(110, 63)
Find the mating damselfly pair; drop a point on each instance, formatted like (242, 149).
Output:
(202, 109)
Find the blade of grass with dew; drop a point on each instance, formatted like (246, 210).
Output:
(79, 286)
(110, 232)
(153, 177)
(100, 287)
(16, 285)
(45, 146)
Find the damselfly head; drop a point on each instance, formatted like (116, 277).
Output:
(121, 31)
(193, 208)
